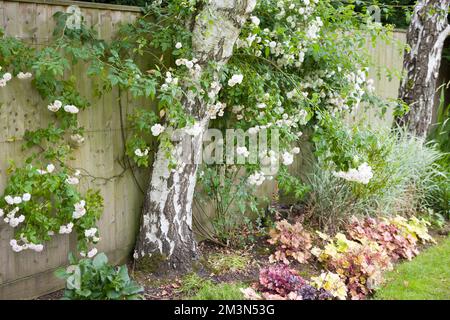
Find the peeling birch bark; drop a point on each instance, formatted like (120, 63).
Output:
(426, 35)
(166, 227)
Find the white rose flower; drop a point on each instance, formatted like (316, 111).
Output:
(261, 105)
(178, 45)
(77, 138)
(50, 168)
(24, 76)
(235, 79)
(288, 158)
(92, 253)
(157, 129)
(242, 151)
(72, 180)
(26, 197)
(17, 200)
(7, 76)
(55, 106)
(9, 200)
(71, 109)
(255, 20)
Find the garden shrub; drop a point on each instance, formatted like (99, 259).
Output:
(279, 282)
(438, 198)
(402, 173)
(360, 265)
(291, 241)
(387, 235)
(332, 283)
(237, 212)
(95, 279)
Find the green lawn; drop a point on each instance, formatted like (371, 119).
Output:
(426, 277)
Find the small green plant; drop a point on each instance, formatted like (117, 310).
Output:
(236, 206)
(95, 279)
(192, 283)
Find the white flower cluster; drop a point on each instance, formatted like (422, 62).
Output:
(192, 65)
(49, 169)
(168, 81)
(242, 151)
(66, 229)
(90, 254)
(56, 105)
(361, 175)
(139, 153)
(10, 217)
(5, 78)
(235, 79)
(72, 180)
(77, 138)
(16, 247)
(80, 209)
(216, 109)
(358, 82)
(288, 158)
(157, 129)
(314, 29)
(288, 48)
(91, 233)
(24, 76)
(256, 178)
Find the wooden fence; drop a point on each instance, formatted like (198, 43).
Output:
(28, 274)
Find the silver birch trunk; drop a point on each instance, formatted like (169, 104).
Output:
(166, 227)
(426, 35)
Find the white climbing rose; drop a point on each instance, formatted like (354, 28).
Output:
(157, 129)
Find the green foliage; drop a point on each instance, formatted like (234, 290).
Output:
(53, 195)
(226, 188)
(360, 265)
(395, 12)
(439, 197)
(192, 283)
(424, 278)
(95, 279)
(404, 173)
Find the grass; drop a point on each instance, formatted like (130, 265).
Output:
(221, 291)
(228, 262)
(195, 287)
(192, 283)
(427, 277)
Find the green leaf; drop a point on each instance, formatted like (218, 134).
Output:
(100, 260)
